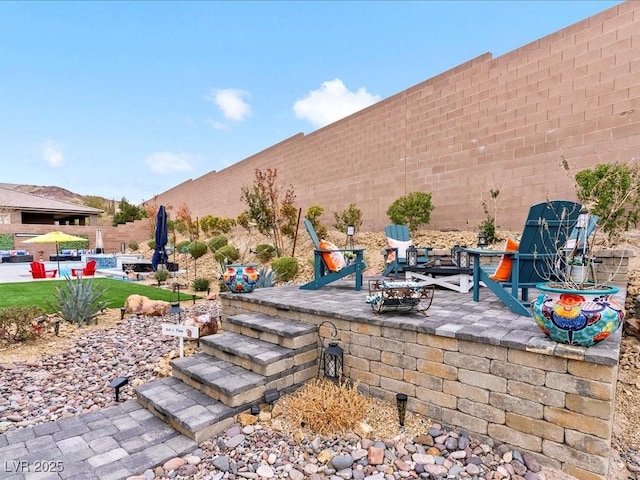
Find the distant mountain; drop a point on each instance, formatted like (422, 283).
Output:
(55, 193)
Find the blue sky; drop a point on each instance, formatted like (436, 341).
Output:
(127, 99)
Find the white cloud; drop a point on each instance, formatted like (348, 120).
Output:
(231, 103)
(167, 162)
(52, 154)
(331, 102)
(216, 124)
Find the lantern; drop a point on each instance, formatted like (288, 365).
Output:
(412, 256)
(460, 257)
(333, 357)
(482, 240)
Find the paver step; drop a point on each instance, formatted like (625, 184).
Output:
(231, 384)
(279, 331)
(256, 355)
(186, 409)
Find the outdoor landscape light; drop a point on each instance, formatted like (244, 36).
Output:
(176, 310)
(122, 312)
(333, 357)
(412, 256)
(482, 240)
(271, 395)
(401, 402)
(117, 384)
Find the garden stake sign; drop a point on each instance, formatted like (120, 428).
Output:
(180, 331)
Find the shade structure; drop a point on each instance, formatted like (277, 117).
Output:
(161, 238)
(99, 242)
(55, 237)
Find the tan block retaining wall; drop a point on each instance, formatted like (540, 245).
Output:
(557, 404)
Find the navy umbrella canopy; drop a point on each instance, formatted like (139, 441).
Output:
(161, 238)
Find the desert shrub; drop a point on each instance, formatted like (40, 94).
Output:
(181, 246)
(78, 301)
(413, 210)
(314, 212)
(285, 268)
(211, 225)
(16, 323)
(161, 275)
(227, 254)
(151, 244)
(216, 242)
(327, 408)
(201, 284)
(351, 216)
(197, 249)
(133, 245)
(265, 252)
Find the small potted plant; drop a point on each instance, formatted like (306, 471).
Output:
(573, 306)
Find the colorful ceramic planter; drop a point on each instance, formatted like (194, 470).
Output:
(241, 278)
(577, 317)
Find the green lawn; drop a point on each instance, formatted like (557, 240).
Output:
(39, 293)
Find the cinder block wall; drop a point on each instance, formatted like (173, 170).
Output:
(489, 123)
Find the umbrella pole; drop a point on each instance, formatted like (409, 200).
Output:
(58, 258)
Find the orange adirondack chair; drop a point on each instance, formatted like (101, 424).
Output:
(88, 270)
(38, 270)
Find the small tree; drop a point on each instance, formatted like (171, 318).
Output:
(611, 191)
(313, 214)
(269, 207)
(488, 226)
(127, 213)
(196, 250)
(191, 227)
(351, 216)
(413, 210)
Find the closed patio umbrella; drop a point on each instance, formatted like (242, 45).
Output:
(55, 237)
(161, 238)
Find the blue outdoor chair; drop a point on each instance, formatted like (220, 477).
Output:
(395, 256)
(322, 274)
(546, 231)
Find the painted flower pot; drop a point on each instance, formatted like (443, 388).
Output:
(241, 278)
(577, 317)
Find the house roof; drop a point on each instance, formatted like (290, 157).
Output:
(15, 200)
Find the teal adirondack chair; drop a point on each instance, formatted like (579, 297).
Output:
(400, 233)
(533, 261)
(322, 275)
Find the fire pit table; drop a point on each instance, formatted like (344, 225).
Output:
(459, 279)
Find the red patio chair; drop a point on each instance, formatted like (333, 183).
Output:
(88, 270)
(38, 270)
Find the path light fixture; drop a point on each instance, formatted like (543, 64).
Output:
(482, 240)
(412, 256)
(117, 384)
(271, 395)
(123, 310)
(175, 311)
(351, 231)
(401, 403)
